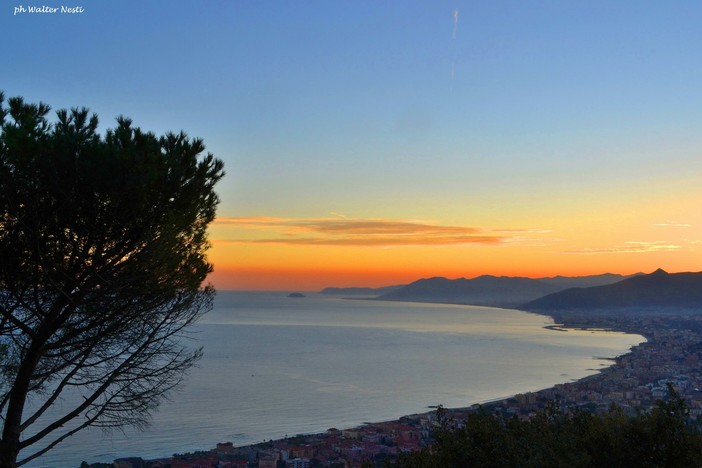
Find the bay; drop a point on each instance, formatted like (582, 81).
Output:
(276, 366)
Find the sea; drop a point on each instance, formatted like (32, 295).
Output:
(277, 366)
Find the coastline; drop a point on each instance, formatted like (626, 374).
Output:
(632, 381)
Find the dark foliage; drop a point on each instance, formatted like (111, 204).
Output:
(102, 242)
(663, 437)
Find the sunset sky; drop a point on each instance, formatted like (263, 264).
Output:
(370, 143)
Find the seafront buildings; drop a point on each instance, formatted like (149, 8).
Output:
(634, 382)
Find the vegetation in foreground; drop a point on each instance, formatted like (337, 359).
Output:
(663, 437)
(103, 242)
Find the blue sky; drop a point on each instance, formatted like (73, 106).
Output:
(508, 111)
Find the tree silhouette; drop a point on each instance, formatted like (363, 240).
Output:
(102, 260)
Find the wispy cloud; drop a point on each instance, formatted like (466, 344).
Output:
(250, 221)
(685, 225)
(343, 231)
(523, 231)
(630, 247)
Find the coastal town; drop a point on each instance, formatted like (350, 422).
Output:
(633, 382)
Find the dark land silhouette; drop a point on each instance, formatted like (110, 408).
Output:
(658, 289)
(371, 292)
(486, 290)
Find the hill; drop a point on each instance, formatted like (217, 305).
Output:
(658, 289)
(487, 290)
(483, 290)
(565, 282)
(359, 291)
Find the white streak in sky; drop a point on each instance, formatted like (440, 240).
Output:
(455, 23)
(673, 225)
(453, 36)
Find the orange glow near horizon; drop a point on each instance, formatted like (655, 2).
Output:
(266, 279)
(308, 254)
(308, 268)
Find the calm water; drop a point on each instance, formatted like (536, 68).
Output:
(277, 366)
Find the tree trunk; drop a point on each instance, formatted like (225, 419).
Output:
(8, 454)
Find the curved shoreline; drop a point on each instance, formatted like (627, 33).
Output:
(630, 382)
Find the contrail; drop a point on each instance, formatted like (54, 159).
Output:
(455, 23)
(453, 36)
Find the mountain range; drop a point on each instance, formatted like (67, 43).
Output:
(359, 291)
(658, 289)
(502, 291)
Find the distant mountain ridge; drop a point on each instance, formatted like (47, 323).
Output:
(359, 291)
(565, 282)
(487, 290)
(658, 289)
